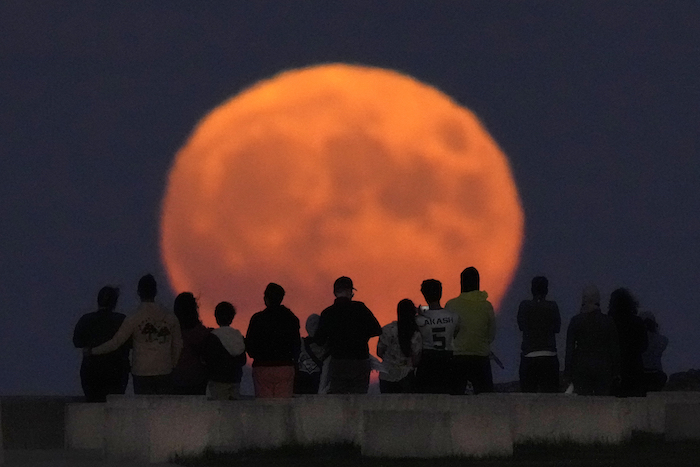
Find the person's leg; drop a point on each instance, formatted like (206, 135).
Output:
(389, 387)
(549, 374)
(458, 375)
(479, 373)
(163, 384)
(526, 371)
(262, 382)
(358, 376)
(143, 384)
(284, 381)
(338, 375)
(219, 391)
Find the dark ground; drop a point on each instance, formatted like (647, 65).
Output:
(642, 451)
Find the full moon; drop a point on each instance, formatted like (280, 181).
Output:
(338, 170)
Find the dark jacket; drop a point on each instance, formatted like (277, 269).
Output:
(345, 327)
(540, 322)
(190, 369)
(96, 328)
(223, 367)
(592, 345)
(273, 337)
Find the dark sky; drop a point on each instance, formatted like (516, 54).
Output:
(597, 106)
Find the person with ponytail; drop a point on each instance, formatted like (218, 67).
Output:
(400, 347)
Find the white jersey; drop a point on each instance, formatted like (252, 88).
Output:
(437, 328)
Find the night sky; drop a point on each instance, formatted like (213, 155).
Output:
(597, 106)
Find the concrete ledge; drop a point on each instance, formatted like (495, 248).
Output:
(85, 427)
(682, 421)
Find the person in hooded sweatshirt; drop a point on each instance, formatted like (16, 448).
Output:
(592, 360)
(273, 342)
(477, 330)
(224, 355)
(311, 357)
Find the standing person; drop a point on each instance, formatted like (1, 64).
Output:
(437, 327)
(224, 355)
(346, 327)
(156, 342)
(311, 356)
(472, 345)
(190, 373)
(592, 358)
(540, 322)
(109, 373)
(632, 336)
(400, 347)
(273, 342)
(654, 376)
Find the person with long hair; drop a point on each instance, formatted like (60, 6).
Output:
(190, 373)
(400, 347)
(632, 335)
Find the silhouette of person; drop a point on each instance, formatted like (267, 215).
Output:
(632, 336)
(438, 328)
(592, 358)
(472, 345)
(654, 375)
(311, 357)
(190, 373)
(224, 355)
(400, 347)
(109, 373)
(273, 342)
(540, 322)
(346, 327)
(156, 342)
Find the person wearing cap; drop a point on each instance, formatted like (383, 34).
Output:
(156, 342)
(345, 328)
(273, 342)
(109, 373)
(592, 358)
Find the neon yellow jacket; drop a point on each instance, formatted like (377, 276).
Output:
(477, 328)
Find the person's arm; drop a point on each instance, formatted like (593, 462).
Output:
(321, 336)
(374, 329)
(614, 345)
(416, 348)
(381, 345)
(251, 338)
(557, 319)
(122, 335)
(521, 316)
(492, 325)
(296, 339)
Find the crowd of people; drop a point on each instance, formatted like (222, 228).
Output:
(428, 349)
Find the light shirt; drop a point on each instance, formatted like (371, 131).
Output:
(395, 365)
(438, 328)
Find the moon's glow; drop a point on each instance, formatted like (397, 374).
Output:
(338, 170)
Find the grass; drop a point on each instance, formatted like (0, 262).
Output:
(642, 450)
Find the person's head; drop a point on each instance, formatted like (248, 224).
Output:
(107, 297)
(431, 290)
(147, 288)
(649, 321)
(406, 310)
(622, 304)
(469, 279)
(590, 299)
(186, 310)
(540, 286)
(224, 313)
(274, 293)
(343, 287)
(312, 324)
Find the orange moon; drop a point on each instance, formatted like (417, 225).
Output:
(338, 170)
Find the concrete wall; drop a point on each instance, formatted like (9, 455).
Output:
(153, 428)
(683, 421)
